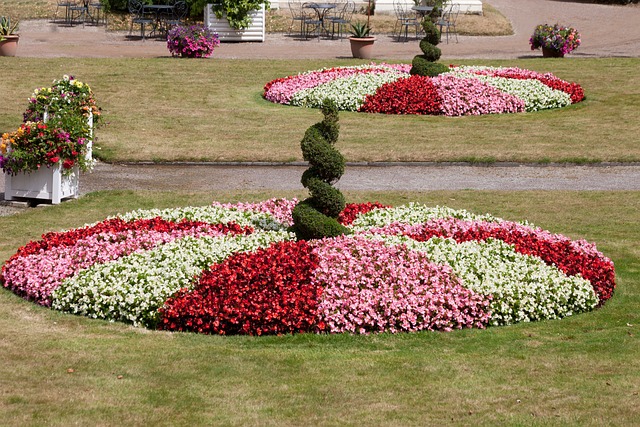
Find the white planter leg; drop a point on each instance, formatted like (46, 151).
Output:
(55, 188)
(7, 187)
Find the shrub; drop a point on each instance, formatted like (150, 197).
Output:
(315, 217)
(431, 33)
(422, 66)
(425, 64)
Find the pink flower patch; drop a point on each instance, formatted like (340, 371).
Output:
(372, 287)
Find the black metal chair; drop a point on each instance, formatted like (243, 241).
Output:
(178, 14)
(99, 15)
(405, 19)
(312, 24)
(448, 21)
(297, 15)
(65, 4)
(136, 9)
(343, 18)
(78, 11)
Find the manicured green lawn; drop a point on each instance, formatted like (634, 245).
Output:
(168, 109)
(583, 370)
(60, 370)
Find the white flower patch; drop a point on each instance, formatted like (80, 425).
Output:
(347, 93)
(413, 214)
(133, 288)
(523, 287)
(209, 214)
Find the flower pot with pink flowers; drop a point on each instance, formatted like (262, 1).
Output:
(555, 41)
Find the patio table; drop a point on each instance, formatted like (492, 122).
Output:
(422, 10)
(321, 10)
(159, 13)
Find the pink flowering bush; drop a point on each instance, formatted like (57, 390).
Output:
(195, 41)
(462, 91)
(236, 269)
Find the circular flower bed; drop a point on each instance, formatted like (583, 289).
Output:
(390, 89)
(235, 269)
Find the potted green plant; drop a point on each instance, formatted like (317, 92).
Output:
(555, 41)
(361, 40)
(8, 37)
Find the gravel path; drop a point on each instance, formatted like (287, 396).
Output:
(606, 31)
(361, 177)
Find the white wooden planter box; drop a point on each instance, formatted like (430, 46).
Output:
(255, 32)
(47, 183)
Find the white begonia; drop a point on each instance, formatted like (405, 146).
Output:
(413, 214)
(348, 93)
(210, 214)
(133, 288)
(523, 287)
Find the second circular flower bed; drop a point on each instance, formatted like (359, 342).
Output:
(390, 89)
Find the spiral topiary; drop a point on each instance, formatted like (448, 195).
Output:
(316, 216)
(425, 64)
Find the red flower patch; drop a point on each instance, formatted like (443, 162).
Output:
(268, 291)
(413, 95)
(116, 225)
(352, 210)
(571, 257)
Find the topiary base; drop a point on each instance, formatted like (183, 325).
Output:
(423, 67)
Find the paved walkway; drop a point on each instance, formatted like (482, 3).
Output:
(606, 31)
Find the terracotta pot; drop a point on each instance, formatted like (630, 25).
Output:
(9, 45)
(551, 53)
(362, 47)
